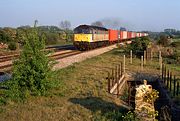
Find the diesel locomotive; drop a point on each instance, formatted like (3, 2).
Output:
(89, 37)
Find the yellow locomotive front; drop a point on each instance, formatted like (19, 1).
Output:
(82, 37)
(88, 37)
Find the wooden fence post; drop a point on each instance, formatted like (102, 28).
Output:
(160, 65)
(119, 71)
(131, 56)
(117, 90)
(116, 78)
(116, 74)
(170, 81)
(162, 72)
(177, 92)
(129, 93)
(109, 82)
(145, 57)
(112, 77)
(165, 75)
(174, 91)
(159, 56)
(124, 63)
(151, 55)
(141, 63)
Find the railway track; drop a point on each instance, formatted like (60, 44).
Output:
(9, 57)
(6, 62)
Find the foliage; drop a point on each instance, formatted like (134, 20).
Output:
(151, 97)
(12, 46)
(51, 38)
(53, 34)
(176, 44)
(4, 37)
(51, 29)
(138, 45)
(130, 116)
(163, 40)
(32, 71)
(174, 57)
(115, 116)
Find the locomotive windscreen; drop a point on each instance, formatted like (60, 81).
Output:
(81, 31)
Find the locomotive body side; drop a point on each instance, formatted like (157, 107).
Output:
(100, 35)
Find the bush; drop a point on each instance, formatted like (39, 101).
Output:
(175, 44)
(138, 45)
(32, 71)
(163, 40)
(51, 38)
(12, 46)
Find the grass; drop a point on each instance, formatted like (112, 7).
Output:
(60, 43)
(79, 93)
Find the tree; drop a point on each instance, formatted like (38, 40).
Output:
(163, 40)
(97, 23)
(65, 25)
(35, 23)
(5, 37)
(11, 32)
(138, 45)
(32, 70)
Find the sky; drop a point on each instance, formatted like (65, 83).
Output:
(136, 15)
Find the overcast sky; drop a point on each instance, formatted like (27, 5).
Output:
(154, 15)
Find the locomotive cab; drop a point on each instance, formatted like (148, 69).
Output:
(88, 37)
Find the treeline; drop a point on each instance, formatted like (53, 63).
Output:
(52, 34)
(169, 41)
(168, 33)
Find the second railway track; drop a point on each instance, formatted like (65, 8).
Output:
(6, 63)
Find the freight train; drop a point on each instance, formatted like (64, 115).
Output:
(89, 37)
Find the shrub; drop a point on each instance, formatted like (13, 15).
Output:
(138, 45)
(12, 46)
(163, 40)
(175, 44)
(32, 71)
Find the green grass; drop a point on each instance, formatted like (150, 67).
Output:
(79, 93)
(60, 43)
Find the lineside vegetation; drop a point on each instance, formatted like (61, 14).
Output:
(31, 72)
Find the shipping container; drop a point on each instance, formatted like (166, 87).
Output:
(145, 34)
(113, 35)
(140, 34)
(137, 34)
(123, 35)
(129, 35)
(133, 34)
